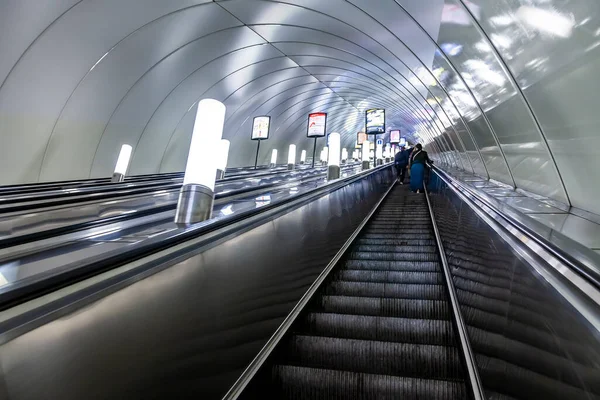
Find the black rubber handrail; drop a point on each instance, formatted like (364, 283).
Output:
(587, 272)
(55, 279)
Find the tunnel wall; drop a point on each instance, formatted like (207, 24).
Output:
(483, 84)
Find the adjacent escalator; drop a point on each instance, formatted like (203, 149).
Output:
(381, 324)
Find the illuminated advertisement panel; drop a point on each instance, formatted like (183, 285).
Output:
(260, 128)
(361, 137)
(375, 121)
(317, 123)
(395, 136)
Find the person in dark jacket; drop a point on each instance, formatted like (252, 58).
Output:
(418, 161)
(401, 162)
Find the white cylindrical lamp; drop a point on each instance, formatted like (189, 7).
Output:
(366, 164)
(273, 158)
(292, 156)
(379, 154)
(334, 150)
(303, 157)
(122, 163)
(344, 155)
(223, 156)
(197, 193)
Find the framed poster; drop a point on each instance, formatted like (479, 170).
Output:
(375, 121)
(395, 136)
(317, 125)
(361, 137)
(260, 127)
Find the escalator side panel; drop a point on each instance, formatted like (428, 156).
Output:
(528, 341)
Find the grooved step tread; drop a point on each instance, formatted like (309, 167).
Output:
(390, 329)
(375, 357)
(303, 383)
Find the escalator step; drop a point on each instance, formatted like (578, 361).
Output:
(416, 308)
(404, 330)
(368, 255)
(396, 242)
(421, 278)
(302, 383)
(393, 290)
(374, 357)
(423, 266)
(394, 249)
(398, 236)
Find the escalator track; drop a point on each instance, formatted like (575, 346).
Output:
(381, 325)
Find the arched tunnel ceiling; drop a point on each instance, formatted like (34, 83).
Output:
(483, 85)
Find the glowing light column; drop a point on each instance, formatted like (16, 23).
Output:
(223, 157)
(303, 157)
(292, 157)
(333, 168)
(197, 193)
(366, 163)
(122, 164)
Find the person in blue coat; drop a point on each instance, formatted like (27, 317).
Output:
(401, 162)
(418, 161)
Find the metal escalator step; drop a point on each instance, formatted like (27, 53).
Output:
(423, 266)
(392, 290)
(301, 383)
(374, 357)
(400, 308)
(403, 330)
(408, 230)
(398, 236)
(394, 249)
(368, 255)
(421, 278)
(396, 242)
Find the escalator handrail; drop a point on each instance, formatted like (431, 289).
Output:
(477, 392)
(54, 279)
(587, 268)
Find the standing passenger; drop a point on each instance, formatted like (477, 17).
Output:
(401, 162)
(417, 168)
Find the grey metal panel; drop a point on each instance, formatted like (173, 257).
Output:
(46, 75)
(157, 133)
(19, 27)
(139, 106)
(556, 66)
(96, 98)
(505, 108)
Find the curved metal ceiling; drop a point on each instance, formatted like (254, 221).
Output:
(481, 83)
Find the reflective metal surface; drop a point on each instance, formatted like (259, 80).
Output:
(190, 329)
(529, 341)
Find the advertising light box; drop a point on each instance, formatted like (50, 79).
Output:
(375, 121)
(260, 128)
(317, 123)
(395, 136)
(403, 142)
(361, 137)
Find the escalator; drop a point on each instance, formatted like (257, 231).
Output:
(381, 325)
